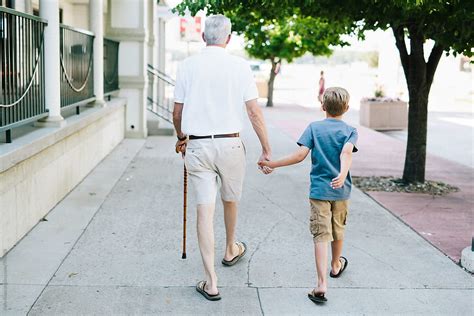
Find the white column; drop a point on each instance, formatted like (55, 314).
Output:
(161, 57)
(49, 10)
(96, 16)
(28, 6)
(127, 22)
(152, 45)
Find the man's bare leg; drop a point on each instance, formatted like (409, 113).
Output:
(230, 219)
(205, 232)
(336, 247)
(321, 258)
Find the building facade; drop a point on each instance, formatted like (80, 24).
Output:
(74, 81)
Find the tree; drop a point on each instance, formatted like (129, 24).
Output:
(280, 38)
(449, 24)
(285, 39)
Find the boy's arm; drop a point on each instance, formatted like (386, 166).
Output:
(296, 157)
(346, 161)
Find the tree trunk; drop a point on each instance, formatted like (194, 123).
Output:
(419, 76)
(270, 82)
(415, 157)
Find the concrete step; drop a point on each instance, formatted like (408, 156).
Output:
(157, 126)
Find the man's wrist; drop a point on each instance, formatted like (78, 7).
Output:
(266, 152)
(182, 137)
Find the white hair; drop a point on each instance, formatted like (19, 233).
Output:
(217, 29)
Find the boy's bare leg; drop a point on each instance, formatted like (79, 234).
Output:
(205, 232)
(230, 219)
(321, 258)
(336, 247)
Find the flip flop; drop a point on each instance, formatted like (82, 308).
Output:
(200, 287)
(318, 298)
(236, 259)
(344, 263)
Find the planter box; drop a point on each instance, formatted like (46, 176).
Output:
(262, 87)
(379, 115)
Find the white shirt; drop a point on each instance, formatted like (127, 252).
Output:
(214, 86)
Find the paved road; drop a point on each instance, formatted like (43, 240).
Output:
(113, 247)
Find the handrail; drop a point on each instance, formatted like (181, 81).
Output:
(31, 80)
(166, 118)
(114, 76)
(111, 40)
(163, 107)
(22, 65)
(68, 77)
(23, 15)
(76, 64)
(161, 75)
(76, 29)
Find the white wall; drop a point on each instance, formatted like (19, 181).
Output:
(34, 182)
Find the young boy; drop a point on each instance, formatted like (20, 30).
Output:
(331, 142)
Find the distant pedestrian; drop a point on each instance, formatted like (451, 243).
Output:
(322, 82)
(213, 91)
(331, 142)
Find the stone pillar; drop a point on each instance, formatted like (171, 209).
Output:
(152, 51)
(161, 52)
(163, 15)
(96, 16)
(49, 10)
(127, 23)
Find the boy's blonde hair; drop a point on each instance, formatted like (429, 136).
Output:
(335, 101)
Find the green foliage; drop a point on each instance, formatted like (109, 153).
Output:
(287, 38)
(283, 37)
(448, 23)
(379, 91)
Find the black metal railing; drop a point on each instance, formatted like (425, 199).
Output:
(160, 100)
(22, 87)
(76, 62)
(111, 78)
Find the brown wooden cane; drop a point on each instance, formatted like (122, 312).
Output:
(185, 198)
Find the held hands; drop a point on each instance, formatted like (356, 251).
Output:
(338, 182)
(263, 164)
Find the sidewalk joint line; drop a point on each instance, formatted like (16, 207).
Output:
(277, 205)
(260, 302)
(258, 247)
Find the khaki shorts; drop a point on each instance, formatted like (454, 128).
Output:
(210, 161)
(328, 219)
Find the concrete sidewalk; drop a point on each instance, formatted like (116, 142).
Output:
(113, 246)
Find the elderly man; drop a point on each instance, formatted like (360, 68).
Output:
(211, 90)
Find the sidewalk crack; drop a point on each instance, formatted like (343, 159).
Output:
(258, 248)
(277, 205)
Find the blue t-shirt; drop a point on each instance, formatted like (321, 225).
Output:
(326, 139)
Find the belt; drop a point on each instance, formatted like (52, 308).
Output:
(215, 136)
